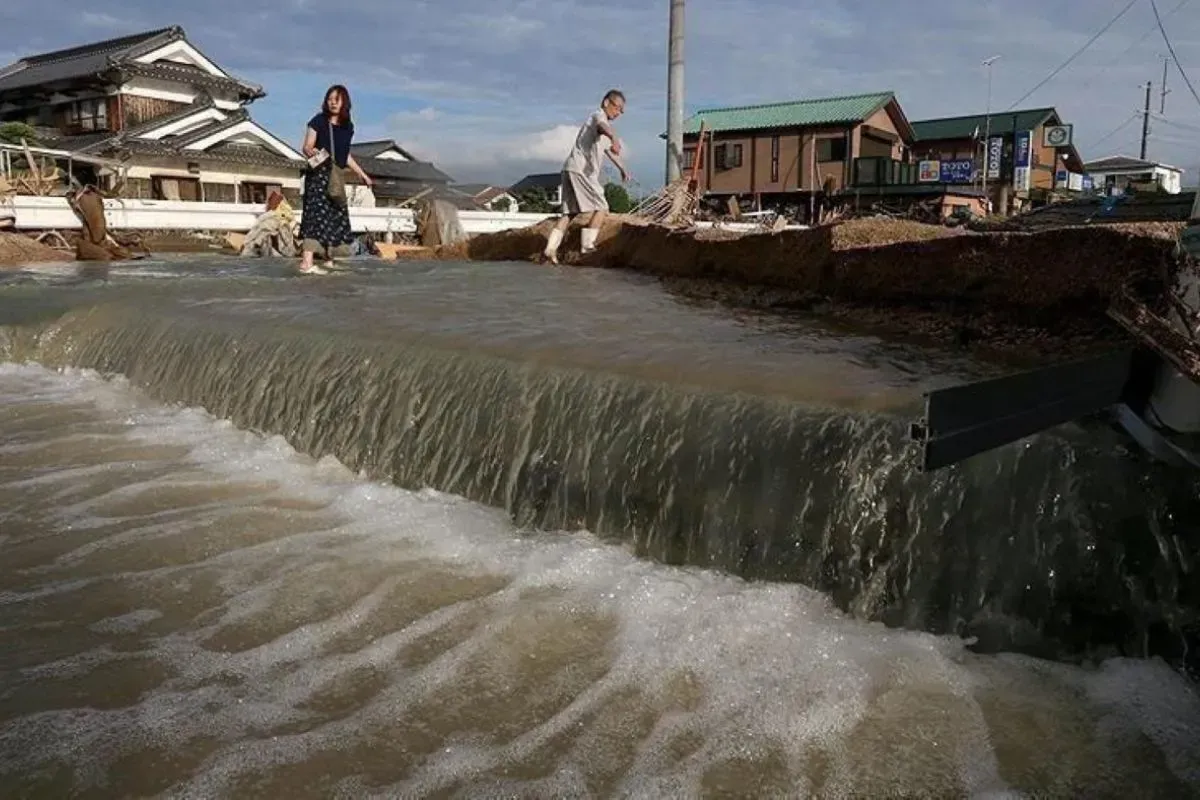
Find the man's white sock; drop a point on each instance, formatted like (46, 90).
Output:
(552, 242)
(588, 238)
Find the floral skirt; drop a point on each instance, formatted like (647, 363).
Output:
(321, 221)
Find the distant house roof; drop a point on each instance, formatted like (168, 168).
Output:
(402, 170)
(472, 189)
(100, 59)
(405, 190)
(489, 194)
(797, 113)
(927, 130)
(481, 192)
(544, 180)
(372, 149)
(1121, 163)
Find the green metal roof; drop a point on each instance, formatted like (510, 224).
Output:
(928, 130)
(794, 114)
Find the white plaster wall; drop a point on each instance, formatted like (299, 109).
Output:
(182, 52)
(170, 90)
(289, 179)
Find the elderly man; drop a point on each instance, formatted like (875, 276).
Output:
(582, 192)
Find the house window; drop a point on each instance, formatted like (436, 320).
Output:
(256, 193)
(88, 115)
(171, 188)
(833, 149)
(774, 159)
(727, 156)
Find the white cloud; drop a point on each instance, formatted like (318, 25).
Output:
(94, 19)
(550, 145)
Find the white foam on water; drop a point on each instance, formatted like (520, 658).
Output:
(368, 640)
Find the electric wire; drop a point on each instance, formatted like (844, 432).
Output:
(1171, 50)
(1076, 54)
(1152, 29)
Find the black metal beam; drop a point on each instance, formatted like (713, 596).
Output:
(962, 421)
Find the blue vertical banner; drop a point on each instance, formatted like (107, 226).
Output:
(1021, 160)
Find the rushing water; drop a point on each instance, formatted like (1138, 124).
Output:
(190, 607)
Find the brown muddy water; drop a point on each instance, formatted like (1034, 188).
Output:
(193, 605)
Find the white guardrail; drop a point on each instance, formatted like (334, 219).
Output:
(50, 213)
(46, 213)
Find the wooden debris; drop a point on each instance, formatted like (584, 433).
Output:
(390, 252)
(60, 242)
(676, 204)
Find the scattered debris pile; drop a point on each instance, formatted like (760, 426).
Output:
(17, 249)
(1140, 208)
(274, 232)
(882, 231)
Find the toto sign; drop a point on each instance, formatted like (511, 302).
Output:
(995, 155)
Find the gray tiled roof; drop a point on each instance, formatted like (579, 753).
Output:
(204, 131)
(197, 77)
(401, 170)
(128, 141)
(99, 58)
(221, 153)
(543, 180)
(79, 62)
(98, 142)
(1121, 162)
(374, 148)
(75, 143)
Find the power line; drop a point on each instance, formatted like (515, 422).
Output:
(1115, 130)
(1152, 29)
(1181, 125)
(1076, 54)
(1171, 50)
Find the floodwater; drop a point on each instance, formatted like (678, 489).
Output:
(188, 609)
(589, 319)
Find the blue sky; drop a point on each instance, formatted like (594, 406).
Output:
(491, 90)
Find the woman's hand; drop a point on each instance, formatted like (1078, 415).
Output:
(350, 162)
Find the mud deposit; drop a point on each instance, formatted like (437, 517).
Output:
(1003, 289)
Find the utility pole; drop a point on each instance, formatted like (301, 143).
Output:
(987, 124)
(675, 92)
(1146, 120)
(1162, 108)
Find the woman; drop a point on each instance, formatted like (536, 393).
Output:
(325, 225)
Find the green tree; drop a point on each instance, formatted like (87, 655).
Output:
(14, 132)
(619, 201)
(502, 204)
(535, 200)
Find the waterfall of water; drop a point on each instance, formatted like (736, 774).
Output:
(1054, 545)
